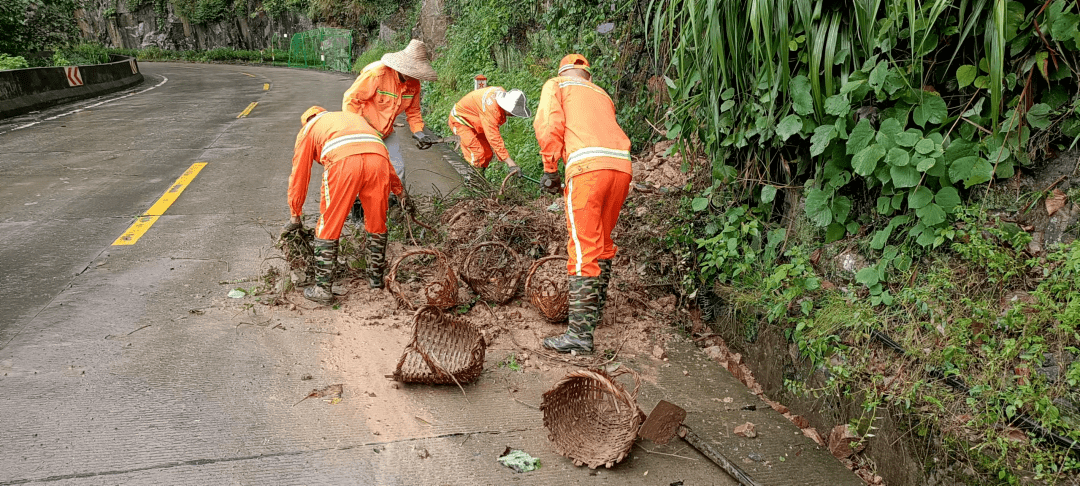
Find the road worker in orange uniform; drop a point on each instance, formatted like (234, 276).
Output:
(391, 86)
(355, 165)
(476, 120)
(575, 122)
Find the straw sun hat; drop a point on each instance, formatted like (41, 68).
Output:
(411, 61)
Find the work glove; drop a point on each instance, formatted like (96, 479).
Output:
(424, 140)
(513, 168)
(407, 203)
(550, 183)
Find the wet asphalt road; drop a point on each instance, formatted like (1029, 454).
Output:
(81, 402)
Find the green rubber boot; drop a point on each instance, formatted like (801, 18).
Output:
(605, 280)
(376, 258)
(325, 258)
(584, 302)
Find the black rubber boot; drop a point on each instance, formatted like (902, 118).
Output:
(356, 215)
(584, 302)
(605, 280)
(325, 259)
(376, 258)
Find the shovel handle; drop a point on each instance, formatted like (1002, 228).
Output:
(715, 456)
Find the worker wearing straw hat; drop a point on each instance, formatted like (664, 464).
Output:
(476, 120)
(391, 86)
(355, 166)
(575, 121)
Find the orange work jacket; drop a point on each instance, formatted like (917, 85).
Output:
(479, 111)
(328, 138)
(576, 122)
(379, 95)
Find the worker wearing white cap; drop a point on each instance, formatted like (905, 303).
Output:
(476, 120)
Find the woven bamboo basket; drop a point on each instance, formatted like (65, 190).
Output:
(550, 296)
(444, 350)
(492, 270)
(591, 418)
(440, 291)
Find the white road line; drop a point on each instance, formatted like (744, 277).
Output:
(110, 100)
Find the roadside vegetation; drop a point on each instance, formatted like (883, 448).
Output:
(888, 131)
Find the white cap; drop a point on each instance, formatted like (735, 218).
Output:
(513, 102)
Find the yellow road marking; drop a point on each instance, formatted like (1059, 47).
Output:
(266, 86)
(145, 221)
(247, 111)
(246, 74)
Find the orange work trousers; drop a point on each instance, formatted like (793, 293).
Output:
(474, 147)
(593, 201)
(363, 176)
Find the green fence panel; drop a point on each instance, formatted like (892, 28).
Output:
(322, 48)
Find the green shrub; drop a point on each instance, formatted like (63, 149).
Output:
(12, 62)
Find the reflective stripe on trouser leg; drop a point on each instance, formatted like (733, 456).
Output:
(341, 183)
(585, 194)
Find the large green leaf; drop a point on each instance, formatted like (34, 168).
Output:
(905, 176)
(841, 208)
(889, 130)
(965, 75)
(860, 136)
(867, 276)
(925, 146)
(920, 197)
(819, 141)
(789, 126)
(802, 101)
(835, 232)
(962, 168)
(837, 105)
(864, 162)
(768, 193)
(924, 164)
(959, 148)
(877, 76)
(817, 207)
(699, 203)
(1039, 116)
(931, 214)
(948, 198)
(898, 157)
(934, 108)
(908, 138)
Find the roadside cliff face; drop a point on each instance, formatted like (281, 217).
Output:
(112, 24)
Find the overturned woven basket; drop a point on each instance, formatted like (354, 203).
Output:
(492, 270)
(551, 296)
(591, 418)
(440, 291)
(444, 350)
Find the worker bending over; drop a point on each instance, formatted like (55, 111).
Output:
(355, 166)
(575, 121)
(476, 120)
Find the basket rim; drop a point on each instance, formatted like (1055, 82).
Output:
(395, 288)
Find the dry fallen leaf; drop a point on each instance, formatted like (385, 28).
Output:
(1055, 202)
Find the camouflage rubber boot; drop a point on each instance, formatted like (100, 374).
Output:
(325, 258)
(584, 300)
(605, 280)
(376, 258)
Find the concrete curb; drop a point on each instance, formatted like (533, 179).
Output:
(25, 90)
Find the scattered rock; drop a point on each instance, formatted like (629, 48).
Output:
(714, 352)
(658, 352)
(840, 442)
(779, 407)
(421, 452)
(746, 430)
